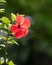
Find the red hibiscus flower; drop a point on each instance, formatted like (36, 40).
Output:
(20, 29)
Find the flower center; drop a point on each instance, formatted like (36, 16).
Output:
(19, 26)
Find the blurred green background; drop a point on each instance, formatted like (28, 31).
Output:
(36, 47)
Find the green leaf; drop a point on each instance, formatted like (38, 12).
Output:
(1, 25)
(3, 1)
(5, 20)
(2, 45)
(2, 37)
(9, 42)
(2, 10)
(14, 42)
(17, 14)
(1, 60)
(10, 63)
(20, 14)
(13, 17)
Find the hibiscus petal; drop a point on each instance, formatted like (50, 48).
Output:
(26, 23)
(22, 32)
(20, 20)
(13, 28)
(18, 34)
(25, 31)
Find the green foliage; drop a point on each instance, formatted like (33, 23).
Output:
(5, 20)
(5, 34)
(13, 17)
(1, 25)
(2, 37)
(2, 45)
(1, 60)
(2, 10)
(3, 1)
(12, 42)
(10, 63)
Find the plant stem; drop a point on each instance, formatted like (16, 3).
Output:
(6, 48)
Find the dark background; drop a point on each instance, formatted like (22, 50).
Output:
(36, 47)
